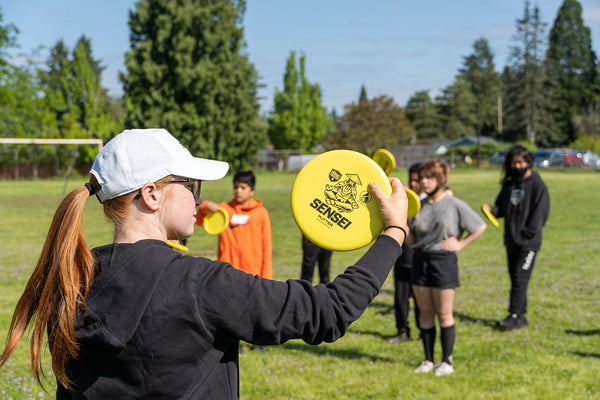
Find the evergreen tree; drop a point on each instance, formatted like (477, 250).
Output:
(587, 124)
(572, 64)
(95, 64)
(363, 94)
(512, 126)
(57, 79)
(187, 72)
(455, 107)
(478, 71)
(422, 114)
(299, 120)
(74, 93)
(526, 86)
(86, 87)
(370, 125)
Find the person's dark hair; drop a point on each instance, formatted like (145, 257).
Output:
(439, 170)
(414, 168)
(246, 177)
(516, 150)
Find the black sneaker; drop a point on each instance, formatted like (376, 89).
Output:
(513, 321)
(400, 338)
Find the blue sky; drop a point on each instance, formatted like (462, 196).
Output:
(392, 47)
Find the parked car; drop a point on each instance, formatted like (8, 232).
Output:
(498, 157)
(572, 158)
(546, 158)
(589, 158)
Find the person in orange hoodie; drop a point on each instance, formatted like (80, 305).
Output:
(246, 242)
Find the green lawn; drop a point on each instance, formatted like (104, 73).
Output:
(556, 357)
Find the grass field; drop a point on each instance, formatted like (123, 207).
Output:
(556, 357)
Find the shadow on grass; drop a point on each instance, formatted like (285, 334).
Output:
(413, 337)
(591, 332)
(589, 355)
(383, 308)
(469, 319)
(583, 333)
(344, 353)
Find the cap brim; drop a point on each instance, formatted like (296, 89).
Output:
(201, 168)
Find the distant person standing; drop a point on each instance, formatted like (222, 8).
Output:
(402, 283)
(524, 203)
(437, 234)
(246, 242)
(311, 255)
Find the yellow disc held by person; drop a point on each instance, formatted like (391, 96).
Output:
(332, 204)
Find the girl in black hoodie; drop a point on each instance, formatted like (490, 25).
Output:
(524, 203)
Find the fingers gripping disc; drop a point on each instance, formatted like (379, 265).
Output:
(332, 204)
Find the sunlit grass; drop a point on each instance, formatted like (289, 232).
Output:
(556, 357)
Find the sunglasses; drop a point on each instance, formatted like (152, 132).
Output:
(193, 185)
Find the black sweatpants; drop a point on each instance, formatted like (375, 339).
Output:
(402, 294)
(311, 254)
(520, 266)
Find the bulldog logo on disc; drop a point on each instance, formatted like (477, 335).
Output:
(332, 203)
(343, 194)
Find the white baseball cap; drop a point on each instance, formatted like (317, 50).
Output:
(137, 156)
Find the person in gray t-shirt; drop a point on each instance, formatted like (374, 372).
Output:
(437, 234)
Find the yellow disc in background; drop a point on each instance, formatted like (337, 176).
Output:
(216, 222)
(385, 160)
(176, 245)
(332, 204)
(491, 217)
(414, 204)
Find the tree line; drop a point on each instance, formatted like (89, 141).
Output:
(187, 70)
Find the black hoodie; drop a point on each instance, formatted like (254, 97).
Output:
(524, 205)
(161, 325)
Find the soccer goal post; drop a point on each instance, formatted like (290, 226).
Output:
(46, 141)
(97, 142)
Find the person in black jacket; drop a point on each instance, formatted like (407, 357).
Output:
(135, 319)
(402, 284)
(524, 204)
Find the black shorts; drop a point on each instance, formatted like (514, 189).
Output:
(438, 270)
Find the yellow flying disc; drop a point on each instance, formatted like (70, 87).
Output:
(216, 222)
(385, 160)
(414, 204)
(176, 245)
(491, 217)
(331, 201)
